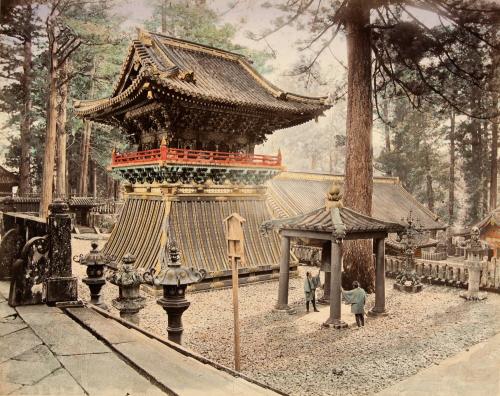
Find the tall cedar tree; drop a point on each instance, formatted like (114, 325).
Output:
(19, 28)
(407, 55)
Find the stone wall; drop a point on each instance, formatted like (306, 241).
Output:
(448, 273)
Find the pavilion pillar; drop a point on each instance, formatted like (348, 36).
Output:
(336, 288)
(379, 250)
(327, 287)
(326, 267)
(282, 304)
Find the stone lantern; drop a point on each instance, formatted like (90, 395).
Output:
(408, 280)
(96, 263)
(475, 252)
(175, 278)
(129, 280)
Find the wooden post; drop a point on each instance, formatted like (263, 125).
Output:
(237, 357)
(236, 253)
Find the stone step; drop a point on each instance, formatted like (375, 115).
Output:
(178, 373)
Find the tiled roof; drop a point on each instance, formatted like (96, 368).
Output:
(493, 218)
(197, 227)
(8, 177)
(200, 73)
(337, 221)
(294, 193)
(83, 201)
(73, 201)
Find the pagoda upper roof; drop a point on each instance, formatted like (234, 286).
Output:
(199, 74)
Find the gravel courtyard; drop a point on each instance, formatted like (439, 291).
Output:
(300, 357)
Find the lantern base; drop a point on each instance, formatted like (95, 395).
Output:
(474, 296)
(377, 312)
(336, 324)
(408, 288)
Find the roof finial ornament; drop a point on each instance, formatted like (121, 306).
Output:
(333, 197)
(144, 37)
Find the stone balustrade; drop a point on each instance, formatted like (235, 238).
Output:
(434, 256)
(449, 273)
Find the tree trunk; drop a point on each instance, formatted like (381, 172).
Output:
(485, 168)
(358, 182)
(62, 135)
(84, 159)
(429, 191)
(94, 179)
(164, 17)
(85, 144)
(495, 85)
(494, 164)
(387, 131)
(451, 189)
(26, 81)
(51, 134)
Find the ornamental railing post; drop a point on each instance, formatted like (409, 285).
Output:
(61, 286)
(163, 149)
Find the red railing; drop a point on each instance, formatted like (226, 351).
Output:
(186, 156)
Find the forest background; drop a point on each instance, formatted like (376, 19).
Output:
(443, 156)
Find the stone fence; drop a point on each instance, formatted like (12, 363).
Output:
(106, 215)
(108, 206)
(434, 256)
(448, 273)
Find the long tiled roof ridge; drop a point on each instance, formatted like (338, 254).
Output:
(424, 208)
(196, 46)
(302, 175)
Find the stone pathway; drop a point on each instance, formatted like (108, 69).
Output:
(475, 372)
(44, 351)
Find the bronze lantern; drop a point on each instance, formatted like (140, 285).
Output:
(175, 278)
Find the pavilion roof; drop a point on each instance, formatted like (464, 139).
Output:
(334, 219)
(198, 74)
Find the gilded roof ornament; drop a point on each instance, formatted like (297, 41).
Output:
(187, 75)
(144, 37)
(333, 198)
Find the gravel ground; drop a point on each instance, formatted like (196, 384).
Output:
(299, 358)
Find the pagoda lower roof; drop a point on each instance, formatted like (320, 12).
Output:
(166, 68)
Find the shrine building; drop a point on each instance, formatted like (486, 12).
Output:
(193, 115)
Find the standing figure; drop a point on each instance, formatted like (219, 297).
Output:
(357, 298)
(310, 285)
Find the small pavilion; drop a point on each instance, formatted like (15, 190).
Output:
(331, 225)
